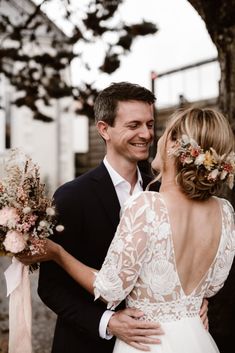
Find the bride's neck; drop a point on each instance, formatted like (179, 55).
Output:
(168, 184)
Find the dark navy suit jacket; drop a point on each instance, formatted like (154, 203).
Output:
(88, 208)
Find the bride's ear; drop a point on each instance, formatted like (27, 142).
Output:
(171, 145)
(172, 142)
(102, 128)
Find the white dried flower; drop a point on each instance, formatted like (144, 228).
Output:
(26, 209)
(200, 159)
(223, 174)
(43, 224)
(213, 175)
(231, 181)
(59, 228)
(50, 211)
(185, 139)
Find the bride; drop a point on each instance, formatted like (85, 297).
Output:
(172, 248)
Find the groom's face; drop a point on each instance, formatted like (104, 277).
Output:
(132, 133)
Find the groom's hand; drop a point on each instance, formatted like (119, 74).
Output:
(124, 325)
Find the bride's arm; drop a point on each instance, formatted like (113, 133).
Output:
(81, 273)
(122, 265)
(52, 251)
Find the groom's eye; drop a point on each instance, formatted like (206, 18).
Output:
(133, 125)
(150, 125)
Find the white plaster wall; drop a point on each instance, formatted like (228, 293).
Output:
(49, 144)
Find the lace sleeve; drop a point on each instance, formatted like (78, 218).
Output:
(125, 256)
(227, 250)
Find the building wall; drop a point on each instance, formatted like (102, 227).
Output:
(49, 144)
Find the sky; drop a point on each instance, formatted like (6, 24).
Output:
(182, 39)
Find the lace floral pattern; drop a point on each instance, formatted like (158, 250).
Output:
(140, 264)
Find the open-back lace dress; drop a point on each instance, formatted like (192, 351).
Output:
(141, 267)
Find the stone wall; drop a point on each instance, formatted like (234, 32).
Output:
(43, 319)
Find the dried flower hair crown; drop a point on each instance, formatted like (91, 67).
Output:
(216, 167)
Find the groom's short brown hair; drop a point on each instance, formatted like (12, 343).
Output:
(106, 103)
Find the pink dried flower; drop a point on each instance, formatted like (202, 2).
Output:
(32, 219)
(195, 152)
(14, 242)
(8, 216)
(228, 167)
(26, 227)
(213, 175)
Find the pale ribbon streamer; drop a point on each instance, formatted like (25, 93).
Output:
(20, 310)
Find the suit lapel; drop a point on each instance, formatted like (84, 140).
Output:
(106, 194)
(105, 191)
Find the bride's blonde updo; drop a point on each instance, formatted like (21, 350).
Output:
(204, 153)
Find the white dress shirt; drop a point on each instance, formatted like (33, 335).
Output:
(123, 189)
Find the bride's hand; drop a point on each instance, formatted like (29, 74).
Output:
(47, 251)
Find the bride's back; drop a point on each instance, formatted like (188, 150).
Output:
(178, 250)
(196, 231)
(181, 252)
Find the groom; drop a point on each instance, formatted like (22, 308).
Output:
(89, 208)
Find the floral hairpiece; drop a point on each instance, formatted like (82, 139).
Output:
(217, 167)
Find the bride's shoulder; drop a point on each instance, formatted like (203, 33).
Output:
(226, 206)
(224, 202)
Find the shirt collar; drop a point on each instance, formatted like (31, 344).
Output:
(117, 178)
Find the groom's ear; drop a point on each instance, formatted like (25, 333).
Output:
(102, 128)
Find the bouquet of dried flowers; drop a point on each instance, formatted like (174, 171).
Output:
(27, 214)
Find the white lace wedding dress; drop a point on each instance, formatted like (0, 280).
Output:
(141, 267)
